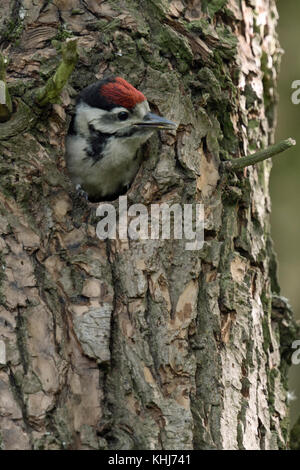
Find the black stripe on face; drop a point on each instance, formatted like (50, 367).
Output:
(97, 141)
(132, 130)
(71, 130)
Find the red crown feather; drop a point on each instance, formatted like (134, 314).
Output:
(122, 93)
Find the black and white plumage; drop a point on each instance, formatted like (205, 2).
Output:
(112, 120)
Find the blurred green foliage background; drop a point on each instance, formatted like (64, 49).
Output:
(285, 181)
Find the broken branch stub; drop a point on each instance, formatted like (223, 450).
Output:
(240, 163)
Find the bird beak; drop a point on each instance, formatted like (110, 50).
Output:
(154, 121)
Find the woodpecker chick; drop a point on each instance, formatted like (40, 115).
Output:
(112, 120)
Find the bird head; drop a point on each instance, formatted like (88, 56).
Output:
(113, 106)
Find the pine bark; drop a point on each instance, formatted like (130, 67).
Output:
(142, 344)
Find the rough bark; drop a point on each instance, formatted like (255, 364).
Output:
(142, 344)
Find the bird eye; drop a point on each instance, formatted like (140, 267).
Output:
(123, 116)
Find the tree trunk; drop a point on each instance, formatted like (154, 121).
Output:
(142, 344)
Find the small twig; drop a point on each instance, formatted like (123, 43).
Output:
(239, 163)
(6, 107)
(51, 91)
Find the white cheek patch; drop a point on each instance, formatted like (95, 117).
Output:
(84, 115)
(102, 120)
(107, 121)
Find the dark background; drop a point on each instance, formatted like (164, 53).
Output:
(285, 184)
